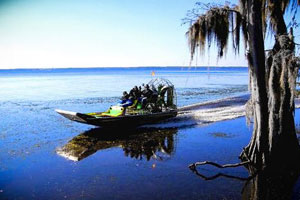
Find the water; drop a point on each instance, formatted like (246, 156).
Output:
(38, 146)
(106, 84)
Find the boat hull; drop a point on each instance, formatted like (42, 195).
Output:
(121, 121)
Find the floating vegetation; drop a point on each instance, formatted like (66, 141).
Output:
(222, 135)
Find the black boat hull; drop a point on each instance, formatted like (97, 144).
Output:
(121, 121)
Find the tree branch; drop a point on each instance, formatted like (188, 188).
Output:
(194, 165)
(209, 178)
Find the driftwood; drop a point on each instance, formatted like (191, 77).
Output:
(208, 178)
(193, 166)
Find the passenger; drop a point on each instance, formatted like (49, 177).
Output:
(124, 98)
(132, 92)
(138, 92)
(128, 102)
(147, 92)
(154, 94)
(146, 95)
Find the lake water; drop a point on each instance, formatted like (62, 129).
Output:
(107, 84)
(114, 164)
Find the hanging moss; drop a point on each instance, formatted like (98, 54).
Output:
(214, 26)
(236, 36)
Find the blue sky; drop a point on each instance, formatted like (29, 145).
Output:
(98, 33)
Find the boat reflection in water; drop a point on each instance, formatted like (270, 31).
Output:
(138, 144)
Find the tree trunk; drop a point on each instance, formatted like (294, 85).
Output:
(257, 150)
(272, 98)
(283, 144)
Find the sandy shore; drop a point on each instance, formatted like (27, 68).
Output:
(218, 110)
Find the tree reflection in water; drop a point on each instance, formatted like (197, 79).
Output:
(271, 186)
(139, 143)
(264, 185)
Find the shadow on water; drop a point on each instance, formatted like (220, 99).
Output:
(137, 143)
(271, 186)
(264, 184)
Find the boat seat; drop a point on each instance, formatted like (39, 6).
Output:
(139, 106)
(114, 111)
(133, 106)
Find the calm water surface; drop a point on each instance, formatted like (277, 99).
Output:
(38, 147)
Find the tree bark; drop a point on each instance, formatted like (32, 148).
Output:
(257, 150)
(283, 142)
(279, 25)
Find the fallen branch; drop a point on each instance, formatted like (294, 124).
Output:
(194, 165)
(209, 178)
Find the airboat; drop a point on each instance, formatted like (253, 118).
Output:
(156, 110)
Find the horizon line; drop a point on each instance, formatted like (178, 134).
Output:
(47, 68)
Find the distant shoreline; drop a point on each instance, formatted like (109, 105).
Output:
(139, 67)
